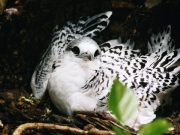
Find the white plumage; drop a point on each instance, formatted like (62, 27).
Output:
(70, 75)
(78, 73)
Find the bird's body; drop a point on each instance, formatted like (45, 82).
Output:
(70, 76)
(79, 73)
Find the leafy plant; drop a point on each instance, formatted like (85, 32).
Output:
(157, 127)
(123, 103)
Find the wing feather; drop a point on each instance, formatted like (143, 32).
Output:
(153, 74)
(87, 26)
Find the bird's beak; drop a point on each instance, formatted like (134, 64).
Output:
(87, 56)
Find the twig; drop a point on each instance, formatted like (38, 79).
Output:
(144, 98)
(121, 127)
(22, 114)
(38, 126)
(100, 123)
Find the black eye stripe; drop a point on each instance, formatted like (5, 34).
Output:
(75, 50)
(96, 53)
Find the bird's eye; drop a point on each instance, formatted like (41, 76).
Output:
(75, 50)
(96, 53)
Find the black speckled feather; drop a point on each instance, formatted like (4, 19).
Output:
(79, 73)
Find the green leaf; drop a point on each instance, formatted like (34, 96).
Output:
(157, 127)
(120, 131)
(122, 102)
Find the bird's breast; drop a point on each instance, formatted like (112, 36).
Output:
(65, 89)
(68, 76)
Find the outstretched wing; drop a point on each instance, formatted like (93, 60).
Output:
(87, 26)
(151, 74)
(156, 80)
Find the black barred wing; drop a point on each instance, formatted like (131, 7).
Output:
(87, 26)
(154, 83)
(152, 75)
(117, 49)
(115, 62)
(161, 42)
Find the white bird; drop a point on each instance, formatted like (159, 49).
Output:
(78, 73)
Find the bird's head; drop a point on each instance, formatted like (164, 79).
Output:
(84, 49)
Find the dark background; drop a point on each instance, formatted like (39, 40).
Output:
(26, 26)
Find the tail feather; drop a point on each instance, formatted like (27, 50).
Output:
(161, 42)
(167, 59)
(162, 52)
